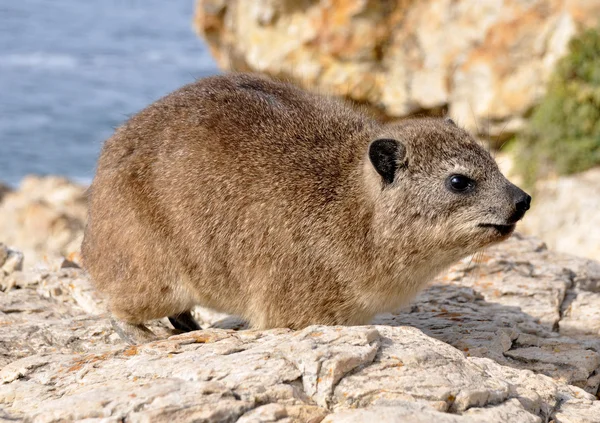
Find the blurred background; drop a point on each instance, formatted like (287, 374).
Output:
(522, 75)
(71, 71)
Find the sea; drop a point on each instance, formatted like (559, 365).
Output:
(71, 71)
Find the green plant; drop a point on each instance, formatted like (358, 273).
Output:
(563, 135)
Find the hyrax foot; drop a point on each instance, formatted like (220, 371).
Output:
(184, 322)
(133, 334)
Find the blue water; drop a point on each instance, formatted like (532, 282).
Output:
(73, 70)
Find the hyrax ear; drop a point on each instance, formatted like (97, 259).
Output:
(450, 121)
(387, 155)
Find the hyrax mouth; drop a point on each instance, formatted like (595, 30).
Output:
(502, 229)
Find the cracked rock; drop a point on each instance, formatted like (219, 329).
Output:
(219, 375)
(477, 345)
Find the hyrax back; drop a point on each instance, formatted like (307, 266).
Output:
(256, 198)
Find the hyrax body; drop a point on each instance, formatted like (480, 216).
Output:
(257, 198)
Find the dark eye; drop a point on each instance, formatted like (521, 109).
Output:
(460, 183)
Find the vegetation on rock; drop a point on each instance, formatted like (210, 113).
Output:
(563, 136)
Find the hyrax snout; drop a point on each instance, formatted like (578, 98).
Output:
(257, 198)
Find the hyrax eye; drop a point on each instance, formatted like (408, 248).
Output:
(460, 183)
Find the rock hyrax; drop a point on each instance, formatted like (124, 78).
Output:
(256, 198)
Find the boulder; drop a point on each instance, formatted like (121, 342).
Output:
(565, 212)
(44, 218)
(488, 64)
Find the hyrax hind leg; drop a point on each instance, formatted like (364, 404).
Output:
(139, 276)
(131, 333)
(147, 298)
(130, 313)
(136, 334)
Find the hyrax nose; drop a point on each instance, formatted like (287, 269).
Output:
(523, 202)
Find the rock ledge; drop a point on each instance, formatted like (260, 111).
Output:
(508, 335)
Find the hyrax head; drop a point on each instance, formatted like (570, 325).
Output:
(436, 183)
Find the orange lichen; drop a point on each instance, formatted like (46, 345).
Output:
(88, 359)
(75, 368)
(130, 351)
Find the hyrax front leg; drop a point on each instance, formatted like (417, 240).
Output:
(185, 322)
(133, 334)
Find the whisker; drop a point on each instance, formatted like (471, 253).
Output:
(489, 136)
(474, 118)
(477, 259)
(468, 268)
(480, 257)
(500, 136)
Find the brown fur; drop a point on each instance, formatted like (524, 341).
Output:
(256, 198)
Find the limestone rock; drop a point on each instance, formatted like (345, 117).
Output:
(44, 218)
(11, 261)
(504, 336)
(414, 412)
(511, 304)
(218, 375)
(488, 63)
(581, 314)
(565, 213)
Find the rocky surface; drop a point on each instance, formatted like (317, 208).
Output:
(44, 218)
(508, 335)
(566, 213)
(487, 63)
